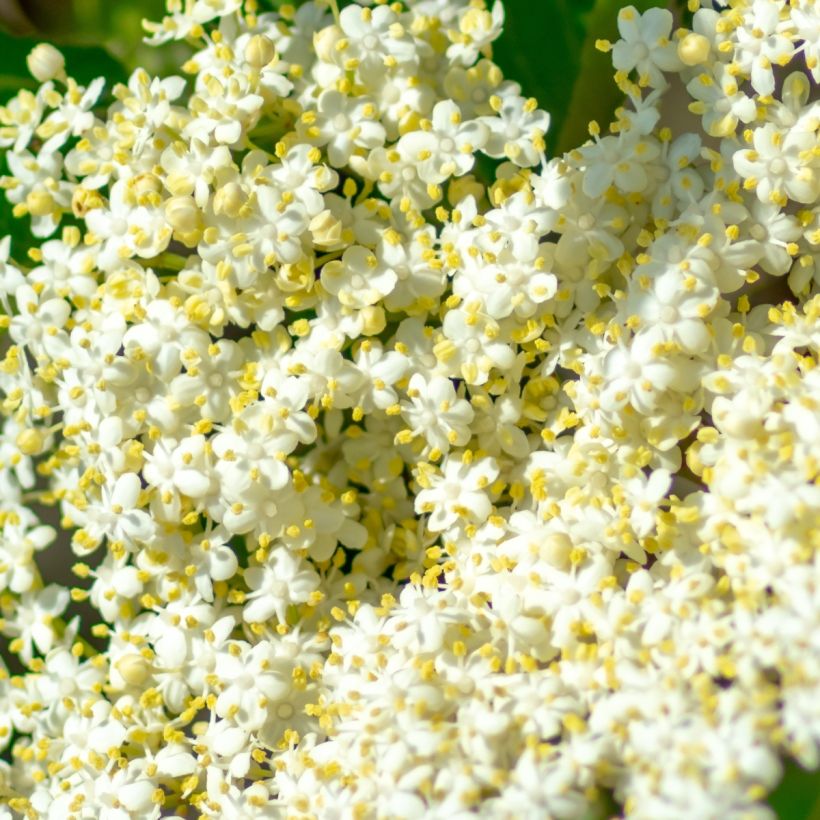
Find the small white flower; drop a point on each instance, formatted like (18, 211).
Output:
(358, 279)
(436, 413)
(645, 45)
(116, 516)
(343, 124)
(517, 131)
(32, 623)
(459, 492)
(775, 168)
(448, 147)
(283, 581)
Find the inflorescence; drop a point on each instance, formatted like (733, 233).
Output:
(410, 472)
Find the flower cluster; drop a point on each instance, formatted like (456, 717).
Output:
(410, 472)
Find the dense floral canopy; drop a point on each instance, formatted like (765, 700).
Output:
(409, 471)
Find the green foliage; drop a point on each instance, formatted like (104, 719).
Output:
(798, 795)
(549, 47)
(84, 63)
(118, 25)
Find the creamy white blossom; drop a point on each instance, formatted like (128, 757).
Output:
(405, 469)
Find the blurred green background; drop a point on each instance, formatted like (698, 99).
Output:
(568, 76)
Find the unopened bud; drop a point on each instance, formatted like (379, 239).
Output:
(555, 549)
(30, 442)
(326, 229)
(324, 43)
(183, 214)
(228, 200)
(145, 184)
(694, 49)
(260, 50)
(45, 63)
(39, 203)
(133, 668)
(374, 320)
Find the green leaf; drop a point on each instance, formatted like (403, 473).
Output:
(84, 63)
(595, 95)
(540, 49)
(549, 48)
(798, 795)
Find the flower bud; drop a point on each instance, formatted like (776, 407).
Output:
(228, 200)
(45, 63)
(133, 668)
(555, 550)
(30, 442)
(694, 49)
(144, 185)
(182, 214)
(260, 50)
(326, 229)
(324, 43)
(39, 203)
(373, 320)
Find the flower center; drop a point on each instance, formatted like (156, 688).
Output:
(777, 166)
(669, 314)
(341, 122)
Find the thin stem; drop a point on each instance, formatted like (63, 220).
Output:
(169, 261)
(334, 7)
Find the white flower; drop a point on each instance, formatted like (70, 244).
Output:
(720, 101)
(213, 560)
(21, 537)
(448, 147)
(39, 324)
(283, 581)
(73, 116)
(343, 124)
(253, 452)
(383, 369)
(637, 376)
(762, 42)
(36, 188)
(477, 28)
(645, 45)
(775, 167)
(193, 167)
(116, 516)
(374, 36)
(21, 116)
(470, 347)
(358, 279)
(67, 270)
(621, 161)
(127, 228)
(116, 583)
(517, 131)
(31, 624)
(806, 22)
(436, 413)
(458, 492)
(675, 309)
